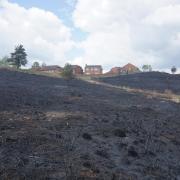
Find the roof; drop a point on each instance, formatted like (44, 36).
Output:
(129, 65)
(76, 66)
(93, 66)
(50, 68)
(116, 68)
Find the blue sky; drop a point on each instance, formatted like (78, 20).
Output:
(60, 7)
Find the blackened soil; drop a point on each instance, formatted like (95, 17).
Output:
(149, 81)
(57, 129)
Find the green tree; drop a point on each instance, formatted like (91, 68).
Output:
(35, 65)
(4, 62)
(173, 70)
(147, 68)
(43, 64)
(18, 57)
(67, 71)
(150, 68)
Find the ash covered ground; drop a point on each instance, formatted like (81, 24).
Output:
(156, 81)
(52, 128)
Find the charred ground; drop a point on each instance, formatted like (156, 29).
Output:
(156, 81)
(52, 128)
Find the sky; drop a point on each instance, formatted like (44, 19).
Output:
(106, 32)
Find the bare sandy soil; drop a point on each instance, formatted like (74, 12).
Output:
(55, 129)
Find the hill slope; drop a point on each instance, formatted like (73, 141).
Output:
(151, 81)
(56, 129)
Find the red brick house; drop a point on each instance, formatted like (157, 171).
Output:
(77, 70)
(127, 69)
(130, 68)
(115, 71)
(93, 70)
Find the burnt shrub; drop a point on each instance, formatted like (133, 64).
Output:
(96, 170)
(11, 139)
(132, 152)
(87, 136)
(102, 153)
(120, 133)
(87, 165)
(90, 166)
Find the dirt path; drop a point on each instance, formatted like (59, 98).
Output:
(168, 95)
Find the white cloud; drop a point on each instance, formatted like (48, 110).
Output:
(42, 33)
(78, 61)
(168, 15)
(136, 31)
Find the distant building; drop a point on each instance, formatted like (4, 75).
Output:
(129, 69)
(50, 69)
(93, 70)
(77, 70)
(115, 71)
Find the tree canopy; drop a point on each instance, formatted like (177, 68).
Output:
(147, 68)
(43, 64)
(18, 57)
(35, 65)
(4, 62)
(67, 71)
(173, 69)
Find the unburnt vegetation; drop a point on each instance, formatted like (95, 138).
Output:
(52, 128)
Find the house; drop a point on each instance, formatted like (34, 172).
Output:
(115, 71)
(93, 70)
(50, 69)
(77, 70)
(129, 69)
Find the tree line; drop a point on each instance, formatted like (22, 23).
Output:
(148, 68)
(19, 58)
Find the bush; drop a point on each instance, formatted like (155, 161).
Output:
(132, 152)
(87, 136)
(67, 72)
(102, 153)
(120, 133)
(173, 70)
(35, 65)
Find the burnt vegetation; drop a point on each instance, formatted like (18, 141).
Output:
(51, 128)
(155, 81)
